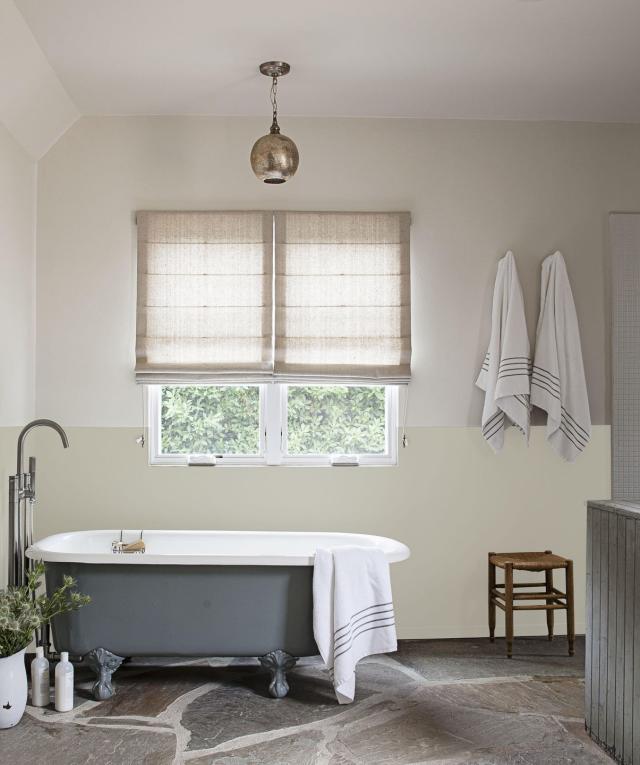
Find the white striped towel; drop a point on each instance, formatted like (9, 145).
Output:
(352, 611)
(558, 383)
(504, 376)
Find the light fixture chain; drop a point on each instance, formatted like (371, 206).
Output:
(274, 98)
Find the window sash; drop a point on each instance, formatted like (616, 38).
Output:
(158, 457)
(388, 457)
(273, 433)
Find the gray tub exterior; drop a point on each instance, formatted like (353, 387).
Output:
(173, 610)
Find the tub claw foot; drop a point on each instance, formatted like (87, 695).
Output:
(278, 662)
(104, 664)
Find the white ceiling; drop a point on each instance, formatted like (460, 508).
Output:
(487, 59)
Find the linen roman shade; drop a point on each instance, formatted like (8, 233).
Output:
(342, 297)
(204, 306)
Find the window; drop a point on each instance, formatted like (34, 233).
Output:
(273, 337)
(210, 419)
(336, 419)
(273, 424)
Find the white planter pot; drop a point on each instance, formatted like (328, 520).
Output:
(13, 689)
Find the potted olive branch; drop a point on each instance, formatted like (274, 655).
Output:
(22, 611)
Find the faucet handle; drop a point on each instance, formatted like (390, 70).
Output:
(27, 490)
(117, 545)
(32, 475)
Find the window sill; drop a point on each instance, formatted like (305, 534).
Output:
(260, 463)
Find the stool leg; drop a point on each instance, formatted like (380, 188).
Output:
(571, 630)
(492, 605)
(548, 575)
(508, 612)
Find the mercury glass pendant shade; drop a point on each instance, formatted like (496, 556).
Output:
(274, 157)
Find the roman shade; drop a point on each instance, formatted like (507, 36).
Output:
(204, 306)
(342, 297)
(206, 288)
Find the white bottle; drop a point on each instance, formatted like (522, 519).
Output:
(64, 684)
(40, 679)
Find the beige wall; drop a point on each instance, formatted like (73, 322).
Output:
(8, 437)
(17, 281)
(17, 307)
(474, 189)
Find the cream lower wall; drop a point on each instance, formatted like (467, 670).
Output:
(450, 499)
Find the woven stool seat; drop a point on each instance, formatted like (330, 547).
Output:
(511, 596)
(529, 561)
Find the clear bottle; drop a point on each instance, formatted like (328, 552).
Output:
(64, 684)
(40, 679)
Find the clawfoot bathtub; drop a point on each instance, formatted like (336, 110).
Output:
(192, 593)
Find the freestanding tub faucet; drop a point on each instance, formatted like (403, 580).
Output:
(22, 495)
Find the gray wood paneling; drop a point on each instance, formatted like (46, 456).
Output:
(618, 737)
(604, 632)
(635, 708)
(612, 623)
(588, 619)
(595, 618)
(629, 648)
(612, 671)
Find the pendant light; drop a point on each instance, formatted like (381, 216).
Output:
(274, 157)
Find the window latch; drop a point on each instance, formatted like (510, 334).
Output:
(344, 460)
(203, 460)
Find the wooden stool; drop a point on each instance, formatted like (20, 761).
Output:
(504, 595)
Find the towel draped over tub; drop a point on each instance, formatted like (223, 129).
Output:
(352, 611)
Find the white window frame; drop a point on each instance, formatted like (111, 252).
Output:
(273, 434)
(390, 456)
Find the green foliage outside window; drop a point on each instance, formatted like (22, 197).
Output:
(336, 419)
(210, 419)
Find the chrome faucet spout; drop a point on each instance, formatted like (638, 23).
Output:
(37, 424)
(22, 495)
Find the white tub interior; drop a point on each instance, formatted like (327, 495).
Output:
(255, 548)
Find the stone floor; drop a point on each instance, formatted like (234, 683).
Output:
(440, 701)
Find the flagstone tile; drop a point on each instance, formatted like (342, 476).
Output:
(432, 702)
(129, 721)
(434, 731)
(563, 697)
(298, 749)
(234, 709)
(478, 658)
(69, 744)
(149, 693)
